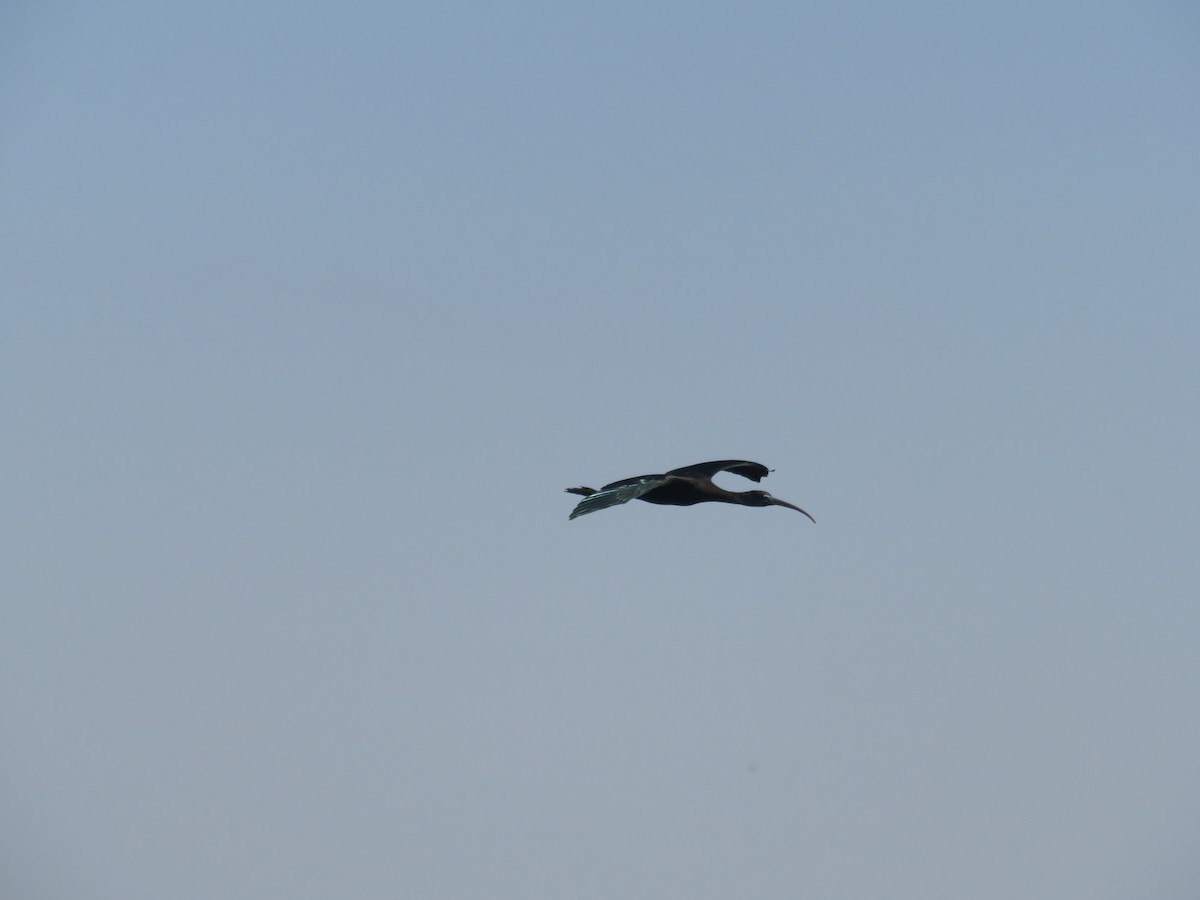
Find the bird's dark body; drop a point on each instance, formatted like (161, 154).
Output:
(686, 486)
(675, 493)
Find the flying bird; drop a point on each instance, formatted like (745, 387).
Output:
(681, 487)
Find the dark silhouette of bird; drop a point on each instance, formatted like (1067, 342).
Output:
(681, 487)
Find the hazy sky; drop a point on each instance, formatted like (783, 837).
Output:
(309, 312)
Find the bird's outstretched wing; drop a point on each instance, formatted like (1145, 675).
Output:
(752, 470)
(616, 493)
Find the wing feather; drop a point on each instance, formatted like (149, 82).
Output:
(617, 493)
(752, 470)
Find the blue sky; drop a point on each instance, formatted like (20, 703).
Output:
(311, 312)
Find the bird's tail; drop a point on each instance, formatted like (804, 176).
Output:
(582, 491)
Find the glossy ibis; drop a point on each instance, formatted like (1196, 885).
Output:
(681, 487)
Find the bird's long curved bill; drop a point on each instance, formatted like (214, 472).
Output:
(778, 502)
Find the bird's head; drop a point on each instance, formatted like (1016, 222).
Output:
(762, 498)
(757, 498)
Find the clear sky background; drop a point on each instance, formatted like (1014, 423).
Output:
(310, 311)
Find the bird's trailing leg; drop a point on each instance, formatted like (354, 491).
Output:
(582, 491)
